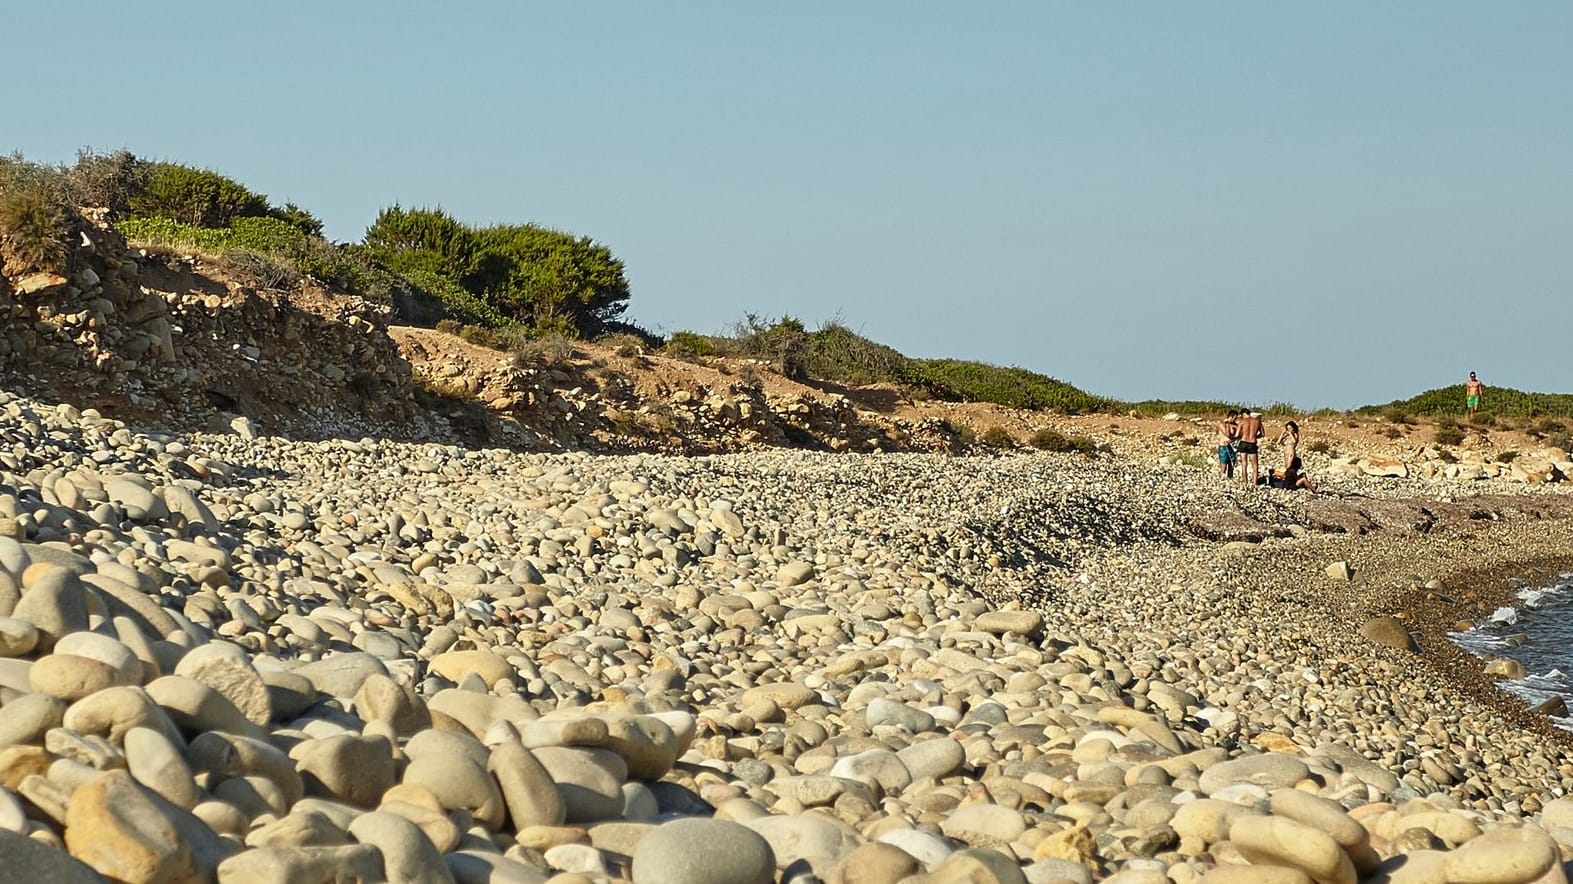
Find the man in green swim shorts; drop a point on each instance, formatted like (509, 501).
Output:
(1473, 388)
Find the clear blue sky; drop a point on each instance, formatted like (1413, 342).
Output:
(1326, 204)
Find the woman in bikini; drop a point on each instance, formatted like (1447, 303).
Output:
(1290, 440)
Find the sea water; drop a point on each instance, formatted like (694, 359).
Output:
(1537, 631)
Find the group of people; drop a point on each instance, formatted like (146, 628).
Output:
(1240, 434)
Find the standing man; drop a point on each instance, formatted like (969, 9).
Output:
(1473, 388)
(1228, 432)
(1251, 432)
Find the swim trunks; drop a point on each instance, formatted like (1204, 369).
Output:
(1245, 447)
(1473, 402)
(1225, 454)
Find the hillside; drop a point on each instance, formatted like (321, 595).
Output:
(253, 323)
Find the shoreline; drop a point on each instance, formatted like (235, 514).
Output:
(1391, 573)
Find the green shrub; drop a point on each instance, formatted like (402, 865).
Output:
(1053, 440)
(998, 437)
(780, 342)
(689, 347)
(35, 223)
(1503, 401)
(959, 380)
(836, 353)
(196, 197)
(1398, 416)
(543, 278)
(1507, 457)
(1483, 419)
(1449, 435)
(1318, 446)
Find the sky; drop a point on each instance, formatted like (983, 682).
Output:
(1326, 204)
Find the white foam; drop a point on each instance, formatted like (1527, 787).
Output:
(1505, 614)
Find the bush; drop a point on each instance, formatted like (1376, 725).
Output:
(546, 351)
(1507, 457)
(1483, 419)
(107, 181)
(1449, 435)
(195, 197)
(998, 437)
(689, 347)
(1053, 440)
(780, 342)
(1318, 446)
(1398, 416)
(543, 278)
(959, 380)
(35, 223)
(836, 353)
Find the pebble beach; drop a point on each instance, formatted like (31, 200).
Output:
(250, 659)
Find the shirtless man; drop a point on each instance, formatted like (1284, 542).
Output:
(1473, 388)
(1228, 432)
(1251, 432)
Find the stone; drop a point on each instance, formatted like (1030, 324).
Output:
(527, 788)
(129, 833)
(303, 865)
(226, 669)
(883, 711)
(341, 675)
(44, 864)
(1270, 840)
(646, 744)
(1023, 623)
(1341, 571)
(408, 855)
(703, 851)
(55, 604)
(590, 780)
(1391, 632)
(1267, 769)
(1508, 855)
(455, 665)
(27, 718)
(230, 756)
(346, 767)
(197, 708)
(18, 638)
(984, 825)
(874, 863)
(70, 678)
(459, 782)
(817, 840)
(933, 758)
(1501, 667)
(157, 763)
(112, 712)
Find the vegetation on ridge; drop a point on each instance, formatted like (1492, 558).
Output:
(509, 284)
(1499, 401)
